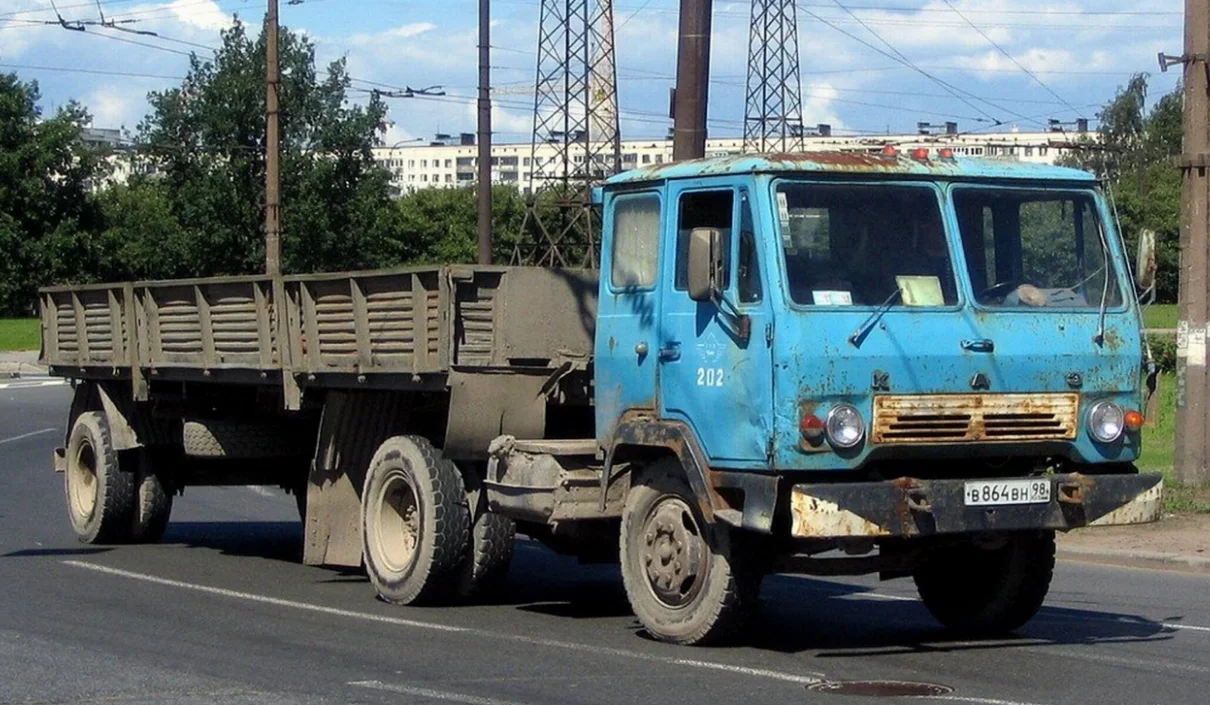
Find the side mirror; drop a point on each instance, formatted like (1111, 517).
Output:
(705, 263)
(1145, 263)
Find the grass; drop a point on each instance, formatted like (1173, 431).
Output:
(1160, 316)
(1159, 440)
(19, 334)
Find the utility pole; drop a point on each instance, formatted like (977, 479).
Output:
(692, 81)
(485, 133)
(1193, 404)
(272, 148)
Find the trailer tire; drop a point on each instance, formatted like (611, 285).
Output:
(100, 495)
(153, 499)
(684, 580)
(485, 570)
(980, 590)
(221, 438)
(415, 523)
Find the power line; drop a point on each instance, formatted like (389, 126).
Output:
(1010, 56)
(98, 72)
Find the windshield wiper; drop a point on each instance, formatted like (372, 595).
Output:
(863, 329)
(1099, 338)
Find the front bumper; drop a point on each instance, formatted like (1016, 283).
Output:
(909, 507)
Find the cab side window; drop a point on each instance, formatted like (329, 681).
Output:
(747, 272)
(636, 242)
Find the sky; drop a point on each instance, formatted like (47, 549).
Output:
(867, 66)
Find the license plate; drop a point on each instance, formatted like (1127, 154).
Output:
(988, 492)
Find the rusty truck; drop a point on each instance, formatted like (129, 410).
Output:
(910, 364)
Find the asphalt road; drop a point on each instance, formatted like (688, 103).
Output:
(221, 612)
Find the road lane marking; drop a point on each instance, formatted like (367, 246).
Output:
(805, 678)
(968, 699)
(1125, 622)
(31, 434)
(430, 693)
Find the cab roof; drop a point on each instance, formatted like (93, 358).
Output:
(855, 163)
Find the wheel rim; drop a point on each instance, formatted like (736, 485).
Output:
(398, 530)
(674, 552)
(82, 481)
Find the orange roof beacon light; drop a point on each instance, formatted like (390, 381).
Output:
(920, 154)
(946, 153)
(890, 151)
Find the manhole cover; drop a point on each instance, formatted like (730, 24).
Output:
(880, 689)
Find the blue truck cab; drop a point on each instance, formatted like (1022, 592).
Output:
(941, 356)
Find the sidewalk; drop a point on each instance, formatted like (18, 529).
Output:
(1176, 542)
(20, 364)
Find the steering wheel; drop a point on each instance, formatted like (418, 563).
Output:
(1000, 289)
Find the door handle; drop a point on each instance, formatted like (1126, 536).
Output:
(980, 345)
(670, 352)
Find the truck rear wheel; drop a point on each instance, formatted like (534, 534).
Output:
(415, 522)
(983, 589)
(153, 498)
(683, 580)
(100, 496)
(488, 558)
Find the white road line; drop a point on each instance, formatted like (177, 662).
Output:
(1124, 622)
(805, 678)
(968, 699)
(31, 434)
(430, 693)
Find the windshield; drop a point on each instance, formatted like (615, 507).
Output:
(1033, 248)
(854, 245)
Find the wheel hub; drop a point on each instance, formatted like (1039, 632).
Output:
(83, 481)
(398, 523)
(673, 552)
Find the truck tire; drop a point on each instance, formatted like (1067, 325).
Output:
(221, 438)
(485, 570)
(415, 523)
(682, 577)
(981, 590)
(100, 495)
(153, 500)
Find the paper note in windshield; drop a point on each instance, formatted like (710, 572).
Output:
(920, 290)
(831, 298)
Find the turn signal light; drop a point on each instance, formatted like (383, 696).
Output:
(1133, 420)
(811, 426)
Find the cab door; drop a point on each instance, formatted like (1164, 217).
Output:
(628, 310)
(712, 376)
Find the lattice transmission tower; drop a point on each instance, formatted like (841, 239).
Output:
(576, 114)
(773, 111)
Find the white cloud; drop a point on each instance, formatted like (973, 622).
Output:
(412, 30)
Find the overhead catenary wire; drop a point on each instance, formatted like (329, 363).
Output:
(1001, 49)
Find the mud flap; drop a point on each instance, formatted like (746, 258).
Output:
(910, 507)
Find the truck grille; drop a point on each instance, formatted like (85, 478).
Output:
(964, 418)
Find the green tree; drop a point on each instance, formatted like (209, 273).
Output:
(46, 215)
(1133, 155)
(206, 140)
(441, 225)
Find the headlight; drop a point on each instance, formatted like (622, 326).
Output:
(1106, 421)
(845, 426)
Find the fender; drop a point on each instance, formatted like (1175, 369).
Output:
(760, 490)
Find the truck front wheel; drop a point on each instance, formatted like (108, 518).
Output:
(100, 496)
(987, 586)
(684, 580)
(415, 522)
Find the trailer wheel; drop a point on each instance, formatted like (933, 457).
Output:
(248, 439)
(981, 589)
(415, 523)
(682, 577)
(485, 570)
(100, 496)
(153, 498)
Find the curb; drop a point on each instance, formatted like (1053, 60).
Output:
(1154, 560)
